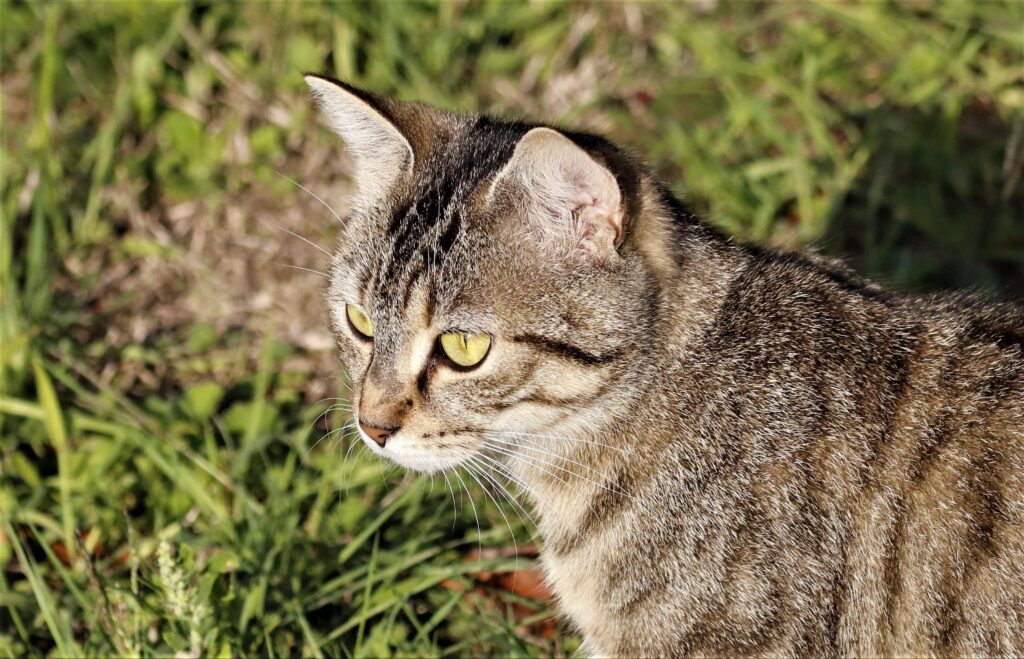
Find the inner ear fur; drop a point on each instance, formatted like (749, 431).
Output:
(568, 193)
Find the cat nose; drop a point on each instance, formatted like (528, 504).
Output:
(377, 433)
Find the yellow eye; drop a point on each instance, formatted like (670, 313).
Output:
(465, 349)
(359, 321)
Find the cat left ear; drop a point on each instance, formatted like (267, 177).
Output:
(381, 151)
(569, 196)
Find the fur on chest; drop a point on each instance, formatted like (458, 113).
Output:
(580, 582)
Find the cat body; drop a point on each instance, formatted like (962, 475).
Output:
(860, 500)
(731, 451)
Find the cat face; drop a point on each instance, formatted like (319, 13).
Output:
(481, 293)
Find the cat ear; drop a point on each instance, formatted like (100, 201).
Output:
(381, 151)
(569, 196)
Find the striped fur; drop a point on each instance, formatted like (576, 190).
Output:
(732, 450)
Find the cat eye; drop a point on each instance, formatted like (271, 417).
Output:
(465, 349)
(359, 321)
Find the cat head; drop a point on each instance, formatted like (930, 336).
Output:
(488, 289)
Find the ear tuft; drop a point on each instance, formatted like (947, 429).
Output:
(381, 152)
(569, 197)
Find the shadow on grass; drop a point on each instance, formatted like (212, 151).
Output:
(941, 203)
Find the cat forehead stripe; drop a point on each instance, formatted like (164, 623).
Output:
(424, 230)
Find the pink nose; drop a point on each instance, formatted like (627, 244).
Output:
(377, 434)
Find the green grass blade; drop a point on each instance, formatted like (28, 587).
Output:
(53, 420)
(58, 630)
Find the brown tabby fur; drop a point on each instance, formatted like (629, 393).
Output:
(736, 451)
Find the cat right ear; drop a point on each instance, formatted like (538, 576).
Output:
(382, 153)
(569, 198)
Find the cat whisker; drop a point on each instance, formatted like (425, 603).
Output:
(529, 445)
(513, 445)
(305, 455)
(328, 378)
(321, 415)
(479, 459)
(297, 267)
(384, 475)
(339, 407)
(360, 449)
(323, 382)
(560, 438)
(515, 545)
(486, 467)
(523, 488)
(529, 460)
(337, 440)
(324, 400)
(311, 194)
(332, 408)
(479, 540)
(455, 513)
(518, 482)
(303, 239)
(559, 467)
(504, 471)
(339, 434)
(344, 462)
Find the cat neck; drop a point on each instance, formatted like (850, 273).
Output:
(574, 474)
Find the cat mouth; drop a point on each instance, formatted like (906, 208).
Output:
(429, 452)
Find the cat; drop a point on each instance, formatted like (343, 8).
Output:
(731, 450)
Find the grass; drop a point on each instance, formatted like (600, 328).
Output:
(166, 383)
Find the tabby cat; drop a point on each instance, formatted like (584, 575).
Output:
(731, 450)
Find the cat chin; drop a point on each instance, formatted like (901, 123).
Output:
(422, 463)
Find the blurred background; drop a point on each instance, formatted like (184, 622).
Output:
(174, 476)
